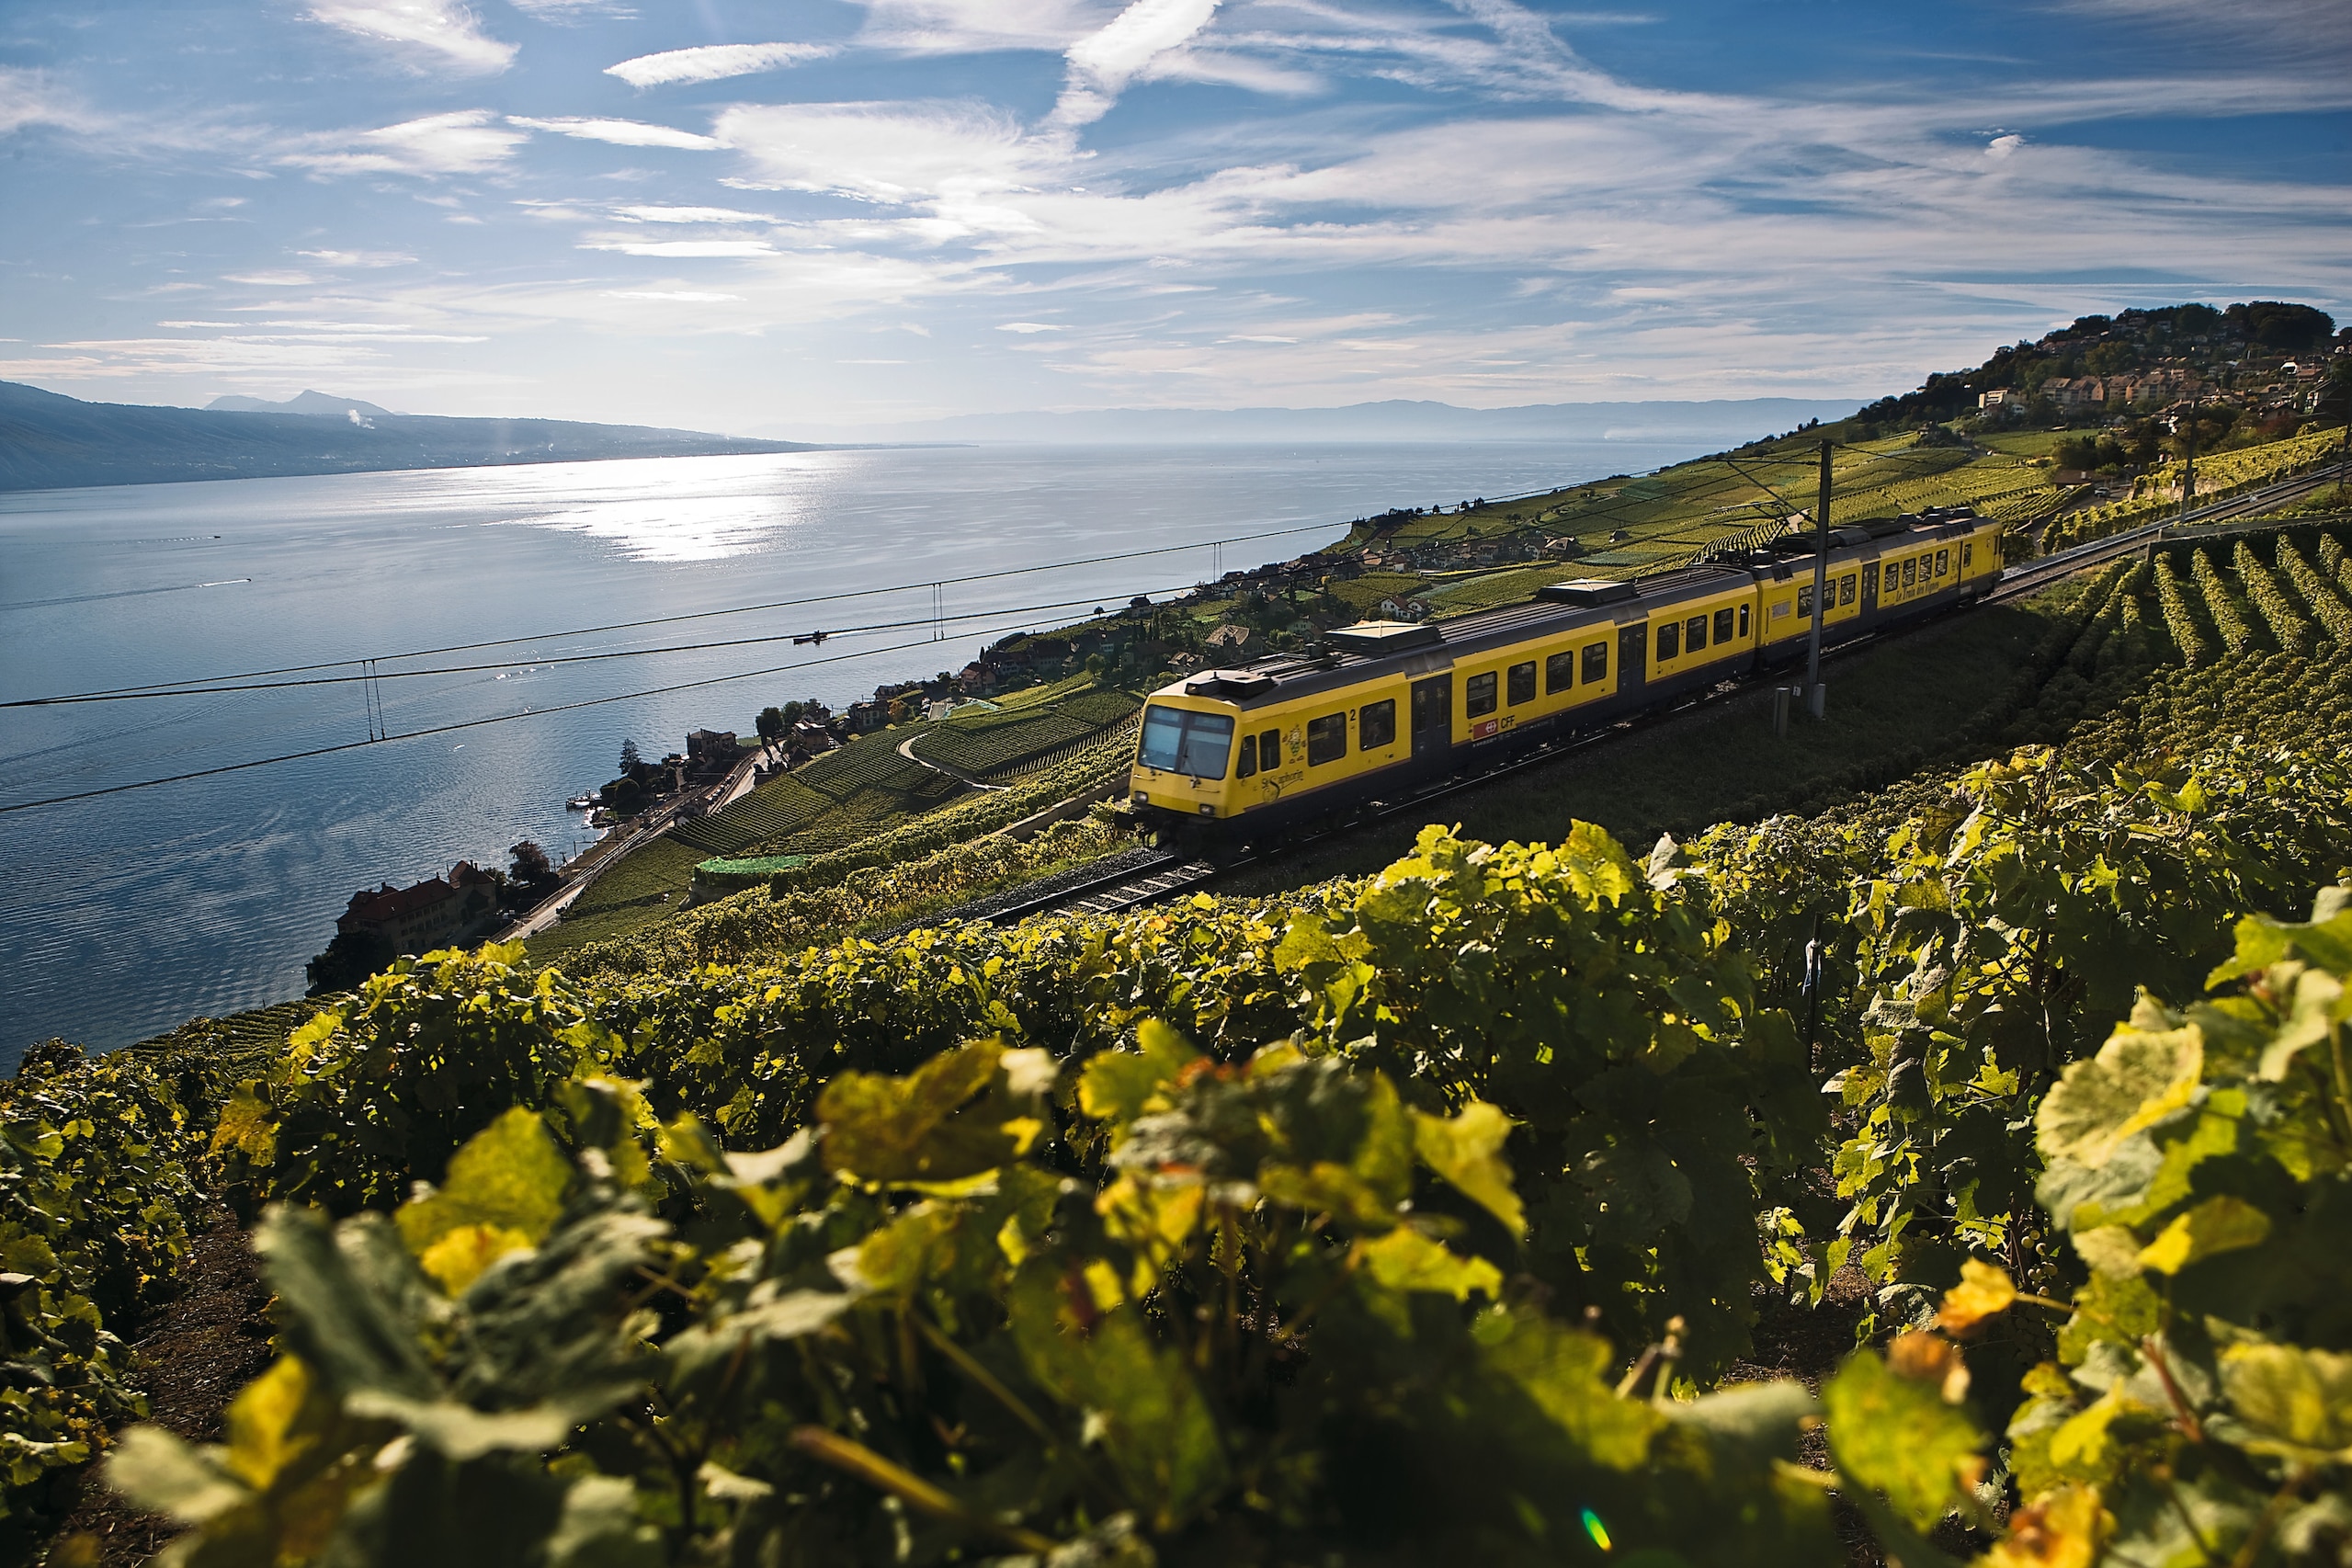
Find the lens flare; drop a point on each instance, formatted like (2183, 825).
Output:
(1594, 1527)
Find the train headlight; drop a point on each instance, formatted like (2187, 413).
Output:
(1207, 810)
(1140, 799)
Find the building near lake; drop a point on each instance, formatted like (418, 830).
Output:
(423, 915)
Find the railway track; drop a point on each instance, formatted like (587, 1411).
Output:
(1176, 871)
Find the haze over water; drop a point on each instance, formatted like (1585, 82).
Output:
(124, 916)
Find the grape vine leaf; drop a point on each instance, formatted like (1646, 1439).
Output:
(1467, 1150)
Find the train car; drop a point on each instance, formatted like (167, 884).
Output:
(1385, 704)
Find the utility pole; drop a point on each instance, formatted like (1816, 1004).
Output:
(2189, 474)
(1816, 695)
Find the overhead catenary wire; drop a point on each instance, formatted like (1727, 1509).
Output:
(380, 735)
(370, 676)
(200, 681)
(450, 728)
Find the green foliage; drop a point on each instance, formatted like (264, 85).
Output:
(2327, 604)
(2200, 1166)
(378, 1091)
(95, 1205)
(2180, 620)
(1089, 768)
(2289, 628)
(1612, 1018)
(2220, 605)
(910, 1336)
(990, 743)
(1991, 945)
(762, 923)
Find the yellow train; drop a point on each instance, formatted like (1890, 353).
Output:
(1388, 702)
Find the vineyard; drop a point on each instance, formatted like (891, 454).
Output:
(1446, 1213)
(2218, 476)
(839, 797)
(995, 744)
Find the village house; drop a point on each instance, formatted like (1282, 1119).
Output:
(423, 915)
(1231, 642)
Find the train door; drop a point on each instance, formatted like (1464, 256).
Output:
(1433, 715)
(1870, 587)
(1633, 658)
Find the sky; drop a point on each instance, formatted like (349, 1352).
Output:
(796, 218)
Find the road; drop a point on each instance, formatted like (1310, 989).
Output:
(741, 780)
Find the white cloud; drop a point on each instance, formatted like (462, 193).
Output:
(465, 142)
(687, 215)
(1101, 65)
(887, 151)
(30, 97)
(684, 296)
(620, 133)
(711, 248)
(2002, 146)
(1030, 327)
(562, 11)
(715, 62)
(976, 26)
(367, 258)
(447, 31)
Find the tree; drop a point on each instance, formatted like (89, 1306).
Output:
(630, 761)
(530, 863)
(771, 723)
(624, 795)
(351, 957)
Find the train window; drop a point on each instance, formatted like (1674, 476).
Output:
(1269, 750)
(1846, 589)
(1175, 741)
(1376, 725)
(1521, 688)
(1805, 602)
(1478, 691)
(1723, 624)
(1943, 562)
(1742, 621)
(1595, 662)
(1894, 579)
(1968, 554)
(1910, 573)
(1694, 634)
(1559, 672)
(1248, 763)
(1670, 641)
(1327, 739)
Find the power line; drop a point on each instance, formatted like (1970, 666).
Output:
(709, 614)
(371, 678)
(451, 728)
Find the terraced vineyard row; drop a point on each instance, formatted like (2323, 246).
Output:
(864, 778)
(995, 742)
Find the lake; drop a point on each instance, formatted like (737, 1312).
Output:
(124, 916)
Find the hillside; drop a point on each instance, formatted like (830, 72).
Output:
(2240, 356)
(1785, 1196)
(49, 441)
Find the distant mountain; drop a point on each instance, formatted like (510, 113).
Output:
(315, 405)
(1395, 420)
(48, 441)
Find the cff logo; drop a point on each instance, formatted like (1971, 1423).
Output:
(1486, 729)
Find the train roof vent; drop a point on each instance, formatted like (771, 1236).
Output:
(1382, 636)
(1881, 527)
(1851, 536)
(1228, 683)
(1588, 591)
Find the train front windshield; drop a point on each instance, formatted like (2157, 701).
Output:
(1177, 741)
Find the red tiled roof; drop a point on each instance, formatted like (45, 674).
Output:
(389, 904)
